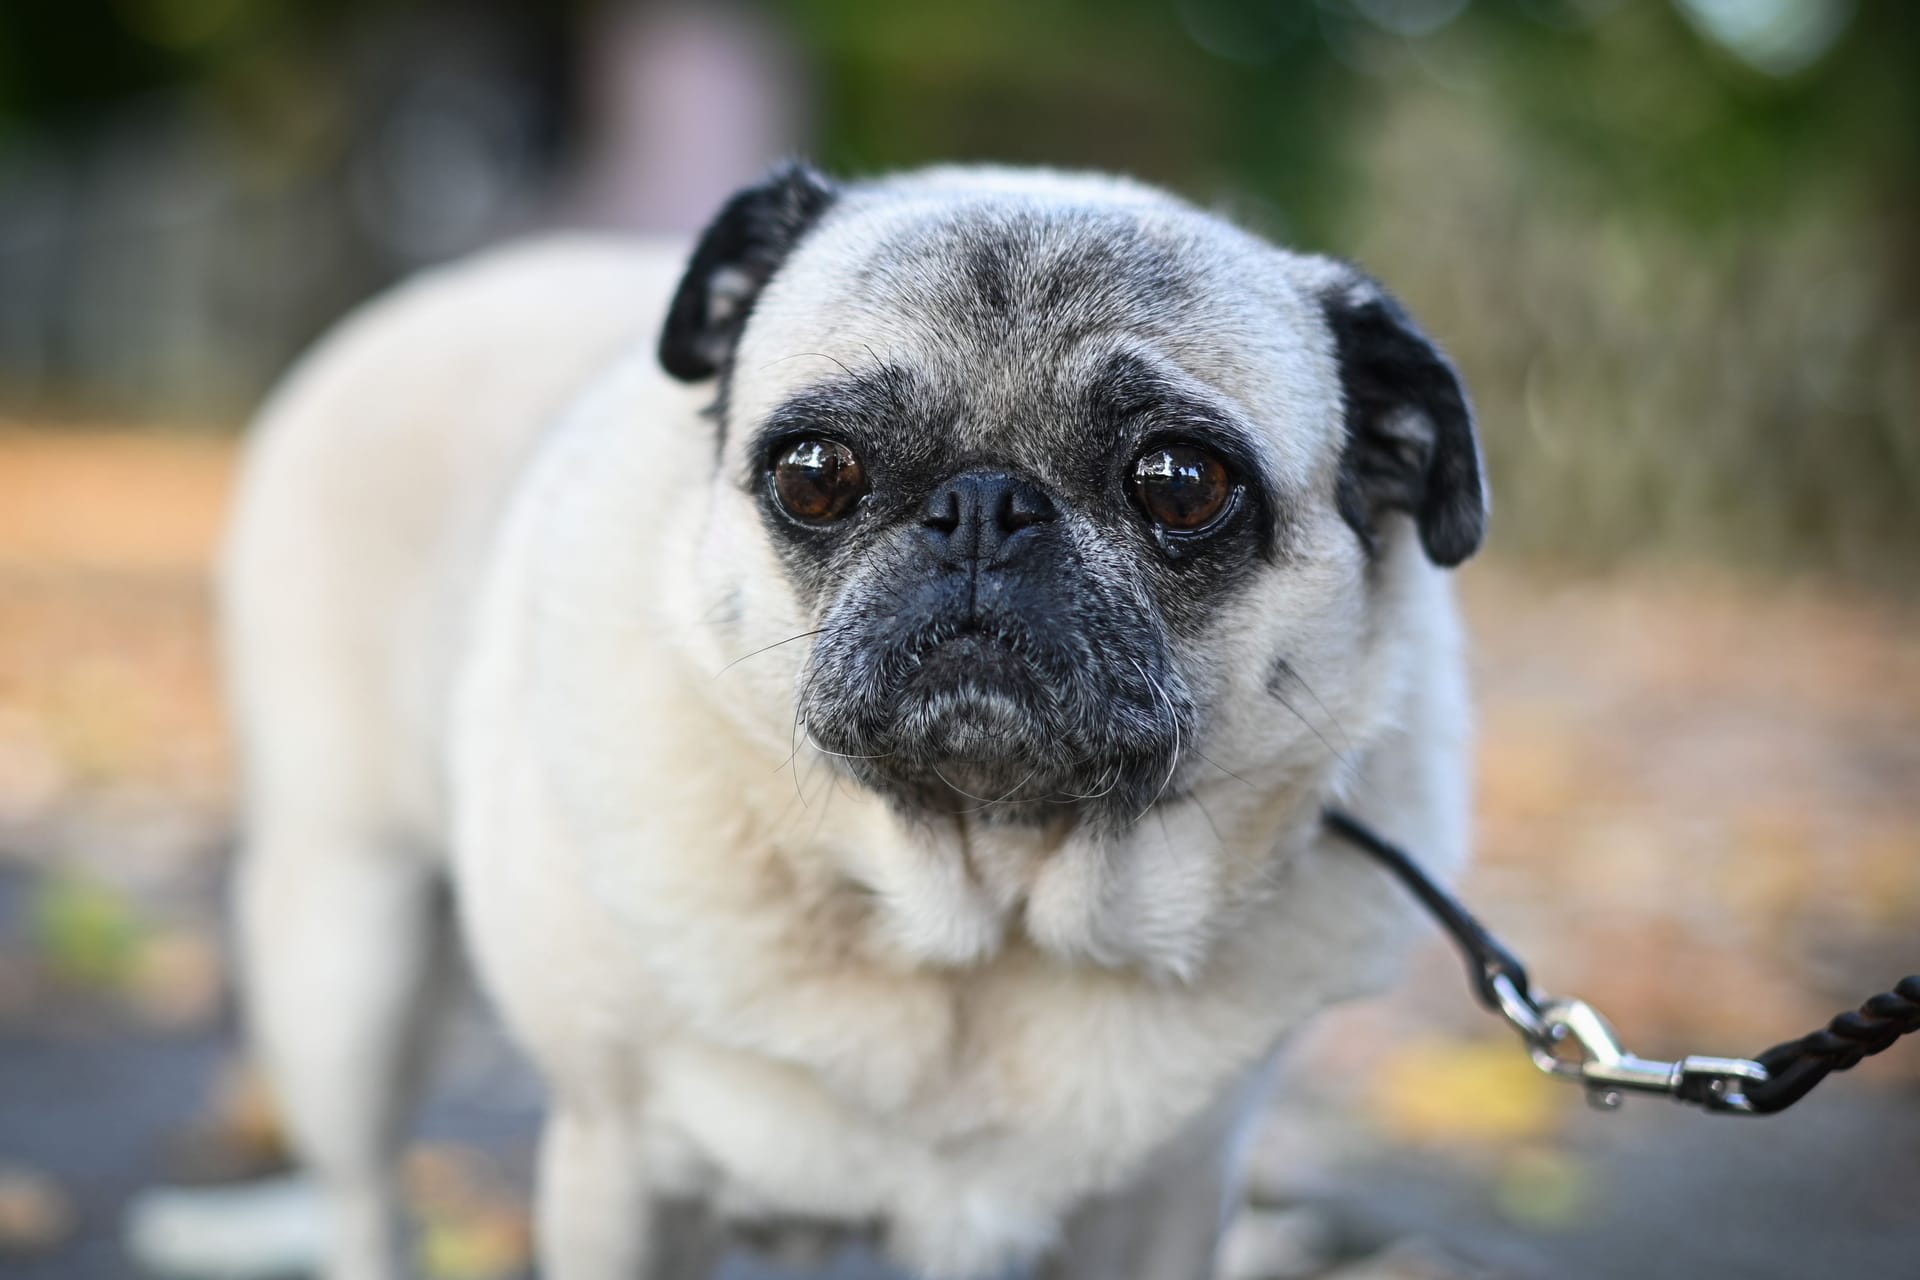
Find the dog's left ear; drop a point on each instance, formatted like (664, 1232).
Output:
(738, 253)
(1410, 440)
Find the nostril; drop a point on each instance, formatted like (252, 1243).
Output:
(1007, 513)
(1023, 505)
(943, 513)
(977, 512)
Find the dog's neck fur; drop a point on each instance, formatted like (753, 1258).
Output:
(1139, 899)
(956, 890)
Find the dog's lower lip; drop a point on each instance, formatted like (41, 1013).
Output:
(972, 652)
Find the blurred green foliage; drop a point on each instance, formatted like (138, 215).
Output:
(1260, 100)
(1117, 85)
(1683, 277)
(1629, 102)
(86, 933)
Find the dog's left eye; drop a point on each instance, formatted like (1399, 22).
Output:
(818, 480)
(1182, 487)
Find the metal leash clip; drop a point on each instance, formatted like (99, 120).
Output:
(1569, 1039)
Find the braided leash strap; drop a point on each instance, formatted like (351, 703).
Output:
(1569, 1038)
(1795, 1067)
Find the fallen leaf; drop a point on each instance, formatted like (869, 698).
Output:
(177, 980)
(491, 1244)
(1462, 1091)
(1543, 1188)
(35, 1214)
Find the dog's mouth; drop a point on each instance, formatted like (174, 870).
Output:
(974, 701)
(989, 717)
(970, 655)
(973, 661)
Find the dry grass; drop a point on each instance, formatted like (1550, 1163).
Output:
(107, 501)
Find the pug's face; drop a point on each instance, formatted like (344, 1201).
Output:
(1063, 487)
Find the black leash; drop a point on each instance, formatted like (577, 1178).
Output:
(1569, 1038)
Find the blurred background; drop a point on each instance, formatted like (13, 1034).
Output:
(1673, 244)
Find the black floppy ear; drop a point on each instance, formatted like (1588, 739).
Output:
(738, 253)
(1410, 442)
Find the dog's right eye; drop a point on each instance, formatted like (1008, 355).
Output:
(818, 481)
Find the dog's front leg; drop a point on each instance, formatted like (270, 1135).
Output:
(1167, 1225)
(598, 1216)
(1165, 1228)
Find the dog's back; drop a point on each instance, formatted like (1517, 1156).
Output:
(370, 487)
(365, 508)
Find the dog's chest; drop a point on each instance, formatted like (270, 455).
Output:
(1050, 1086)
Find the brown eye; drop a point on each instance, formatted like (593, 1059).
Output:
(818, 480)
(1182, 487)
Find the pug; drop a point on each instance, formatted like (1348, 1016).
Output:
(871, 689)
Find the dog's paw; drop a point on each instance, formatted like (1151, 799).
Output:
(966, 1233)
(1276, 1244)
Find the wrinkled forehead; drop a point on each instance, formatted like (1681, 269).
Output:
(1013, 324)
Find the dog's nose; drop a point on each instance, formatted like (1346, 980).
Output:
(975, 515)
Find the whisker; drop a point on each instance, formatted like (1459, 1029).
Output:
(1173, 719)
(802, 355)
(1331, 718)
(951, 785)
(799, 701)
(1332, 750)
(1119, 771)
(1207, 816)
(765, 647)
(844, 755)
(1009, 793)
(1002, 798)
(1222, 768)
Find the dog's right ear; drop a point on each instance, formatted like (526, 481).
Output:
(738, 253)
